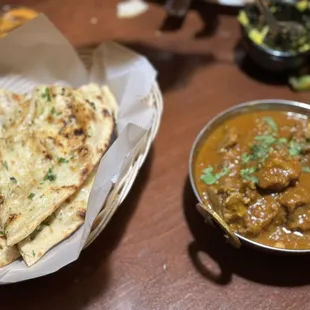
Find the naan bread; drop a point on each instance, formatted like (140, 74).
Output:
(14, 114)
(47, 162)
(99, 95)
(7, 254)
(70, 216)
(57, 227)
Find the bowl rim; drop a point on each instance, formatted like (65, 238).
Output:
(217, 120)
(271, 51)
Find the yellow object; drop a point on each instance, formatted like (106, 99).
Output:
(304, 48)
(302, 5)
(258, 37)
(243, 19)
(15, 18)
(301, 83)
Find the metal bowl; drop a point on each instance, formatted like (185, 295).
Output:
(212, 215)
(273, 60)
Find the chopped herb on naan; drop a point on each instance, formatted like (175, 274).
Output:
(75, 132)
(71, 214)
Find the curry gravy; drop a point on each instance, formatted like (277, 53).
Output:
(258, 166)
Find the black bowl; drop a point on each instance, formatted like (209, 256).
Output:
(268, 57)
(273, 60)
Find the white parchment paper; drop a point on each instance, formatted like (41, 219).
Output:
(37, 53)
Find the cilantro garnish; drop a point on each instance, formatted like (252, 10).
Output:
(271, 123)
(294, 148)
(53, 111)
(50, 176)
(47, 94)
(33, 253)
(209, 178)
(306, 169)
(247, 174)
(222, 173)
(266, 139)
(31, 195)
(63, 160)
(261, 149)
(5, 164)
(246, 158)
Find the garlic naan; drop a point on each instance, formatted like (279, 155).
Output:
(48, 160)
(70, 215)
(7, 254)
(57, 227)
(13, 113)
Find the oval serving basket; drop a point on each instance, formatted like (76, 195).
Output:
(121, 188)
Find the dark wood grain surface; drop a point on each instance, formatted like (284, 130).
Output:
(157, 253)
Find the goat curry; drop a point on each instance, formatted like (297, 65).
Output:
(257, 165)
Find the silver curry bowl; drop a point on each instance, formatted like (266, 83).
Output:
(210, 214)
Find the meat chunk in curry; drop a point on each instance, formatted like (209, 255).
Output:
(278, 172)
(258, 165)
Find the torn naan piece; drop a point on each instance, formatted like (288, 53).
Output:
(7, 254)
(47, 162)
(70, 215)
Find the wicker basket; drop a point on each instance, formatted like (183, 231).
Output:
(121, 189)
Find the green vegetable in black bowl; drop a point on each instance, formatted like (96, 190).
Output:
(254, 24)
(277, 52)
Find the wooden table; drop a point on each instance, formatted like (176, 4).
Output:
(157, 253)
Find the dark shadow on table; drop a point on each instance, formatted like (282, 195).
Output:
(254, 71)
(174, 70)
(208, 13)
(278, 270)
(78, 285)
